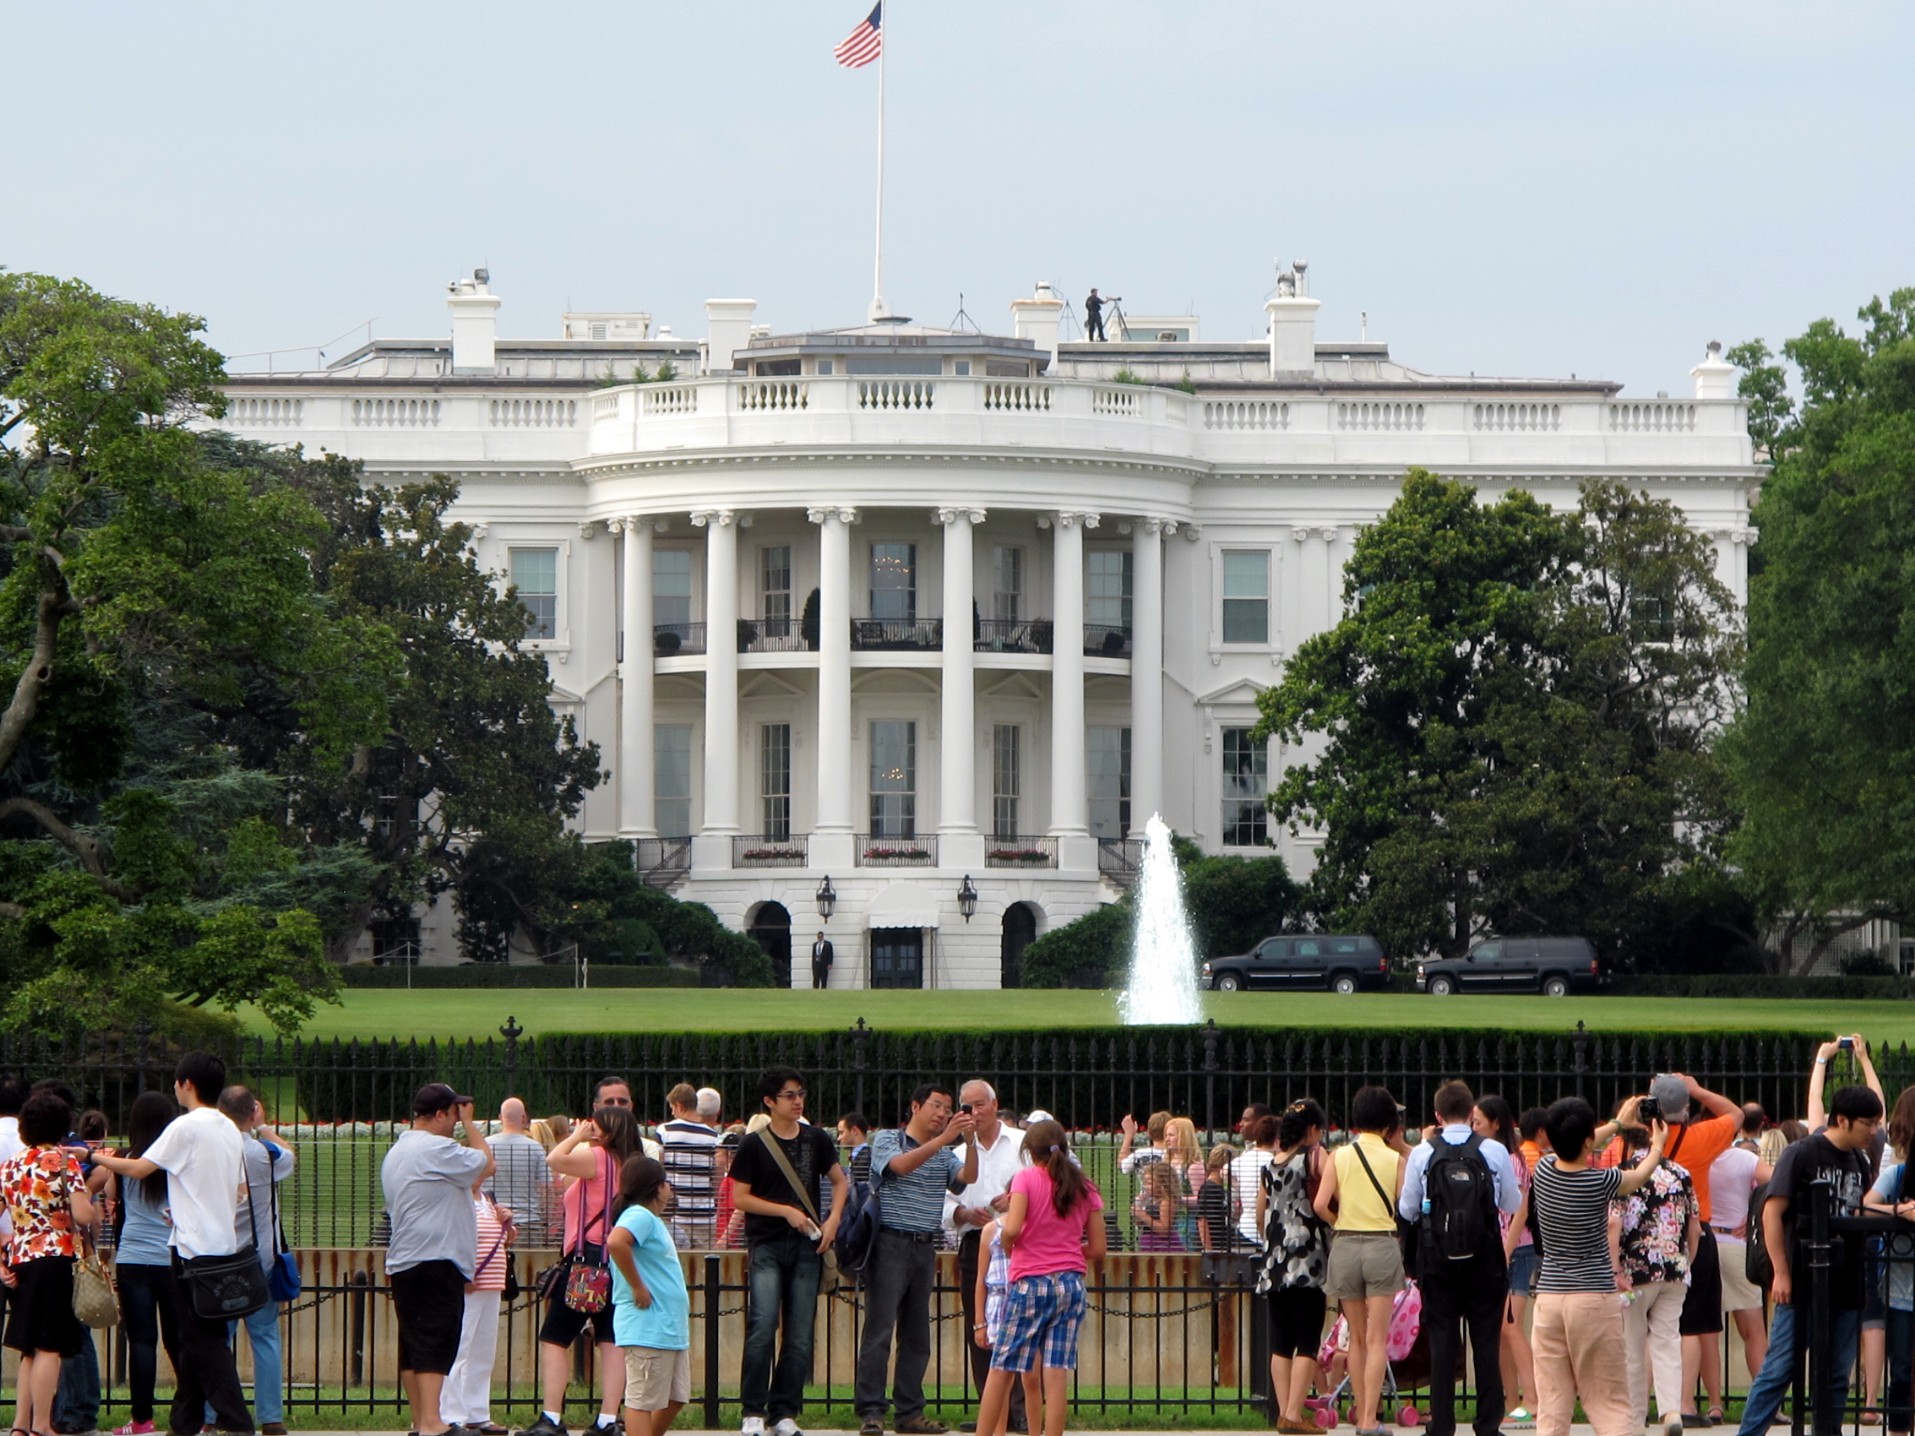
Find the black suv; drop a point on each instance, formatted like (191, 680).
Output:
(1553, 966)
(1307, 961)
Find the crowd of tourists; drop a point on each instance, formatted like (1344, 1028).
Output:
(1590, 1259)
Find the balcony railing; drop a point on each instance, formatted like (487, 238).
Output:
(1102, 640)
(671, 639)
(757, 850)
(1013, 635)
(780, 634)
(905, 634)
(662, 862)
(875, 851)
(1119, 858)
(1020, 850)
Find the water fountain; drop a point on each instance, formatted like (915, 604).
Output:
(1163, 964)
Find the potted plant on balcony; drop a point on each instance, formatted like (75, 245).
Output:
(808, 621)
(1041, 635)
(1114, 641)
(899, 850)
(747, 634)
(774, 853)
(666, 642)
(1018, 856)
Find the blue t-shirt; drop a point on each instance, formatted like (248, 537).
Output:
(1901, 1280)
(665, 1325)
(143, 1240)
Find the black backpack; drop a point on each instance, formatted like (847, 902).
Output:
(1757, 1265)
(1459, 1204)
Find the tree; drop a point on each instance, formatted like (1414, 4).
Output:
(1508, 728)
(143, 588)
(1823, 755)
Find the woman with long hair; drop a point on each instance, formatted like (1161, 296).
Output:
(1184, 1153)
(1052, 1225)
(587, 1162)
(651, 1308)
(47, 1198)
(1296, 1255)
(1493, 1120)
(143, 1265)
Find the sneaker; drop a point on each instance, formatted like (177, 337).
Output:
(135, 1428)
(273, 1428)
(1522, 1418)
(786, 1427)
(545, 1426)
(752, 1426)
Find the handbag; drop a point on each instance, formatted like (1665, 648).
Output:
(225, 1288)
(588, 1285)
(93, 1300)
(831, 1276)
(282, 1278)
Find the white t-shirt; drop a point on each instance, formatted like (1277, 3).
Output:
(1731, 1180)
(1245, 1173)
(202, 1154)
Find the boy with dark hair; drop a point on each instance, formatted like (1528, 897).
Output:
(203, 1158)
(1836, 1155)
(787, 1238)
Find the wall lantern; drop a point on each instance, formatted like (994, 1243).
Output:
(827, 898)
(967, 898)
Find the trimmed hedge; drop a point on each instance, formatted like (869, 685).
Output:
(491, 974)
(1720, 984)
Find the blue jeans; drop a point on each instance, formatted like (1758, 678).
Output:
(269, 1379)
(76, 1407)
(1777, 1376)
(784, 1276)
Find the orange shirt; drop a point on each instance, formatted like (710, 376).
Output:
(1696, 1147)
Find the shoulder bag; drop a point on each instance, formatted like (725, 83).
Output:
(93, 1300)
(588, 1286)
(829, 1278)
(225, 1288)
(549, 1283)
(282, 1278)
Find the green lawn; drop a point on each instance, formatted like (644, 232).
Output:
(369, 1013)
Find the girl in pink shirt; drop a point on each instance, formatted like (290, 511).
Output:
(1052, 1225)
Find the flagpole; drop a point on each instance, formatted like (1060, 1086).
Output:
(878, 310)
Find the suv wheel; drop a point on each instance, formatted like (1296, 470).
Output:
(1442, 986)
(1344, 983)
(1555, 985)
(1228, 982)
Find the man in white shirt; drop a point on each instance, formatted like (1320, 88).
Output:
(967, 1213)
(203, 1157)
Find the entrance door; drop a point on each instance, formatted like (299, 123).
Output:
(897, 957)
(1020, 931)
(771, 929)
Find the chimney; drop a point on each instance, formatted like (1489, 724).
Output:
(1714, 376)
(1038, 318)
(1293, 327)
(727, 330)
(475, 323)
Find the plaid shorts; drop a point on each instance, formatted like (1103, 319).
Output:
(1041, 1313)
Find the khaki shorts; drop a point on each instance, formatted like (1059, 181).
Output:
(1738, 1292)
(1364, 1264)
(654, 1379)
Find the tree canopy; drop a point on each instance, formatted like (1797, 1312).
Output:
(1823, 756)
(1508, 728)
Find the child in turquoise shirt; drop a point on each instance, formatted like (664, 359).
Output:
(651, 1310)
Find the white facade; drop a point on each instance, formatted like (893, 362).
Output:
(1047, 599)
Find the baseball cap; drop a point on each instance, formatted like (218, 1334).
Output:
(436, 1097)
(1671, 1096)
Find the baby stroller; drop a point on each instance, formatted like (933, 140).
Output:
(1408, 1353)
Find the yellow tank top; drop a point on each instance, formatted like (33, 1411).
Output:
(1359, 1206)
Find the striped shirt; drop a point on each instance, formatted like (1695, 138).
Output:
(490, 1275)
(691, 1149)
(912, 1201)
(1572, 1219)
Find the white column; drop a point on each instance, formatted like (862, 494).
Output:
(1070, 811)
(1332, 577)
(636, 790)
(1147, 670)
(1315, 580)
(834, 687)
(721, 683)
(957, 748)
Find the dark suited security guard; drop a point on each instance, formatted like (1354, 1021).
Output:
(821, 955)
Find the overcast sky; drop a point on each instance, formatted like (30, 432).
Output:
(1535, 188)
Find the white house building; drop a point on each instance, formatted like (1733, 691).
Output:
(1045, 580)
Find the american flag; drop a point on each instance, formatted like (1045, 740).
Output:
(864, 44)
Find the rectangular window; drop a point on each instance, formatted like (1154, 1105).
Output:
(894, 780)
(672, 779)
(1007, 594)
(672, 589)
(1245, 782)
(1004, 780)
(1246, 596)
(1107, 589)
(1107, 760)
(774, 589)
(774, 780)
(894, 582)
(535, 577)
